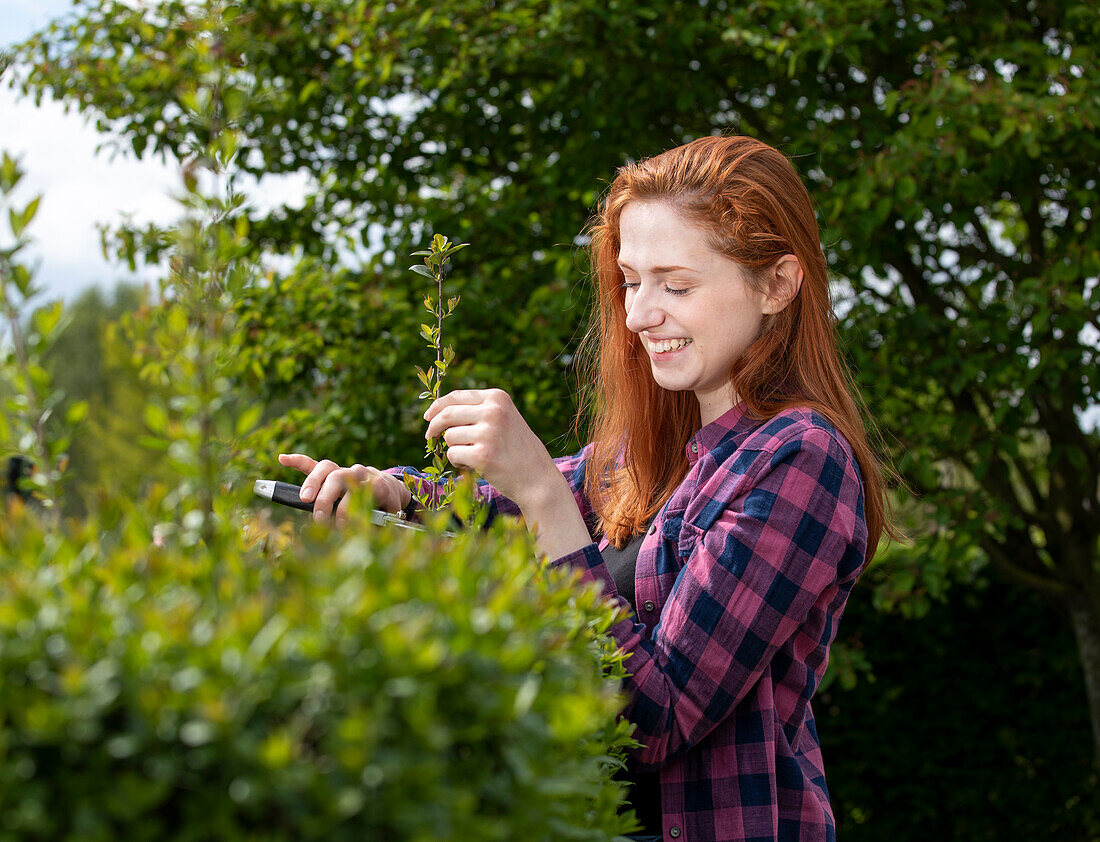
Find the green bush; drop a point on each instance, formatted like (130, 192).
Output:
(370, 684)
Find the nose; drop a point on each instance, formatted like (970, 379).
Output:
(642, 310)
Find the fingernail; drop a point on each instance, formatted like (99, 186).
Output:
(306, 493)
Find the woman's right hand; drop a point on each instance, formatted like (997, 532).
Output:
(326, 482)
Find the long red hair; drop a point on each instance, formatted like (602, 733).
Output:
(749, 199)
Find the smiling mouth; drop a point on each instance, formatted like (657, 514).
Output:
(666, 346)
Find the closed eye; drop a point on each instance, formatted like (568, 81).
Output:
(630, 285)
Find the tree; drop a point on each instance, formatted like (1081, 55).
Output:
(951, 148)
(89, 363)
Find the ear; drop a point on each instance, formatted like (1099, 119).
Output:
(784, 282)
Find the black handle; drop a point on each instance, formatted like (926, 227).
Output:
(287, 494)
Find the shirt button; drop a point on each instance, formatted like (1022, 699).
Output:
(652, 528)
(694, 449)
(674, 832)
(648, 605)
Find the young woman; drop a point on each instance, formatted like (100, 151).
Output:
(728, 495)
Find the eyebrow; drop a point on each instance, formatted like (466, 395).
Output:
(660, 270)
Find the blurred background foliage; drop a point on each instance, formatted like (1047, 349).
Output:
(952, 152)
(177, 665)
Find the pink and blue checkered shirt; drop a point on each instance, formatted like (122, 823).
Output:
(740, 583)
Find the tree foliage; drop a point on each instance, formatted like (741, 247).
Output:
(90, 362)
(951, 149)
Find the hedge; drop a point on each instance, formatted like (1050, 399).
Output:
(377, 683)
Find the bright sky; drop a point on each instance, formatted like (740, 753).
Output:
(81, 188)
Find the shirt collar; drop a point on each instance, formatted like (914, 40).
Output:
(709, 437)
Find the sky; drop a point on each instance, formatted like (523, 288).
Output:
(82, 185)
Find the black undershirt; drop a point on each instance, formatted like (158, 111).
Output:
(644, 795)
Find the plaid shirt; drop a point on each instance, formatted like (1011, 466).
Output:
(740, 583)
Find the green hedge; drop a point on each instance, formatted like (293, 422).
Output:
(373, 684)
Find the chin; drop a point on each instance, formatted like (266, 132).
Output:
(670, 385)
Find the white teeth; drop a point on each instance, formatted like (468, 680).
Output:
(666, 345)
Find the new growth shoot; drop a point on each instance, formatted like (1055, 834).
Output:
(439, 490)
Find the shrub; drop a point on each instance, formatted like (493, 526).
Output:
(372, 684)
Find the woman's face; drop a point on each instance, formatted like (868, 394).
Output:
(693, 308)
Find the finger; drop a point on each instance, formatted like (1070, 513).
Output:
(298, 461)
(465, 434)
(340, 516)
(452, 416)
(335, 484)
(356, 474)
(316, 478)
(388, 492)
(465, 456)
(455, 398)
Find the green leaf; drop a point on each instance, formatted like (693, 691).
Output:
(177, 321)
(248, 419)
(422, 270)
(76, 413)
(10, 174)
(21, 277)
(20, 220)
(156, 417)
(47, 320)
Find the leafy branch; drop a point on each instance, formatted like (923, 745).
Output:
(435, 266)
(28, 398)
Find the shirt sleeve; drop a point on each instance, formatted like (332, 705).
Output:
(572, 468)
(772, 571)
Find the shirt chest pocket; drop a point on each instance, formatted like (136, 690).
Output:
(677, 544)
(685, 539)
(678, 541)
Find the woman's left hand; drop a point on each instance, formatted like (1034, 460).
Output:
(485, 432)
